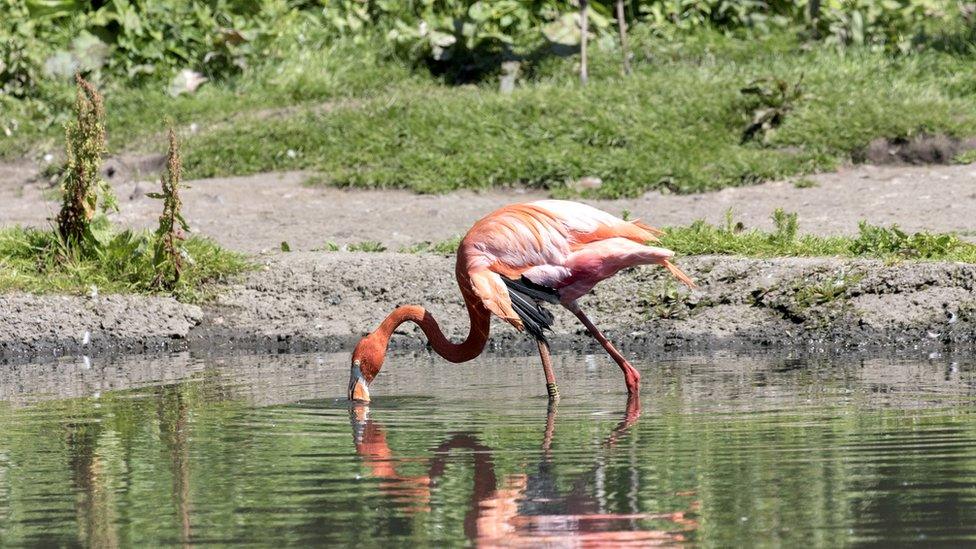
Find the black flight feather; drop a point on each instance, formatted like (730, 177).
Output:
(526, 299)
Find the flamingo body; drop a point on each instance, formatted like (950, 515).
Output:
(517, 258)
(567, 246)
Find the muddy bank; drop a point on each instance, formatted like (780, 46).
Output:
(51, 325)
(324, 301)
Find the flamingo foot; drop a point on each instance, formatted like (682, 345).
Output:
(631, 378)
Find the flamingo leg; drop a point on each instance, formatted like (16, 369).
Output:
(631, 375)
(547, 368)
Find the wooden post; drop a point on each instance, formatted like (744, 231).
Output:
(815, 17)
(622, 25)
(584, 32)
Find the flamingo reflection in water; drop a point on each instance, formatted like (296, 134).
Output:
(511, 511)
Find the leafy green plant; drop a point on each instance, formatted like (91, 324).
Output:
(666, 301)
(445, 247)
(169, 250)
(83, 188)
(774, 99)
(894, 25)
(688, 15)
(21, 58)
(827, 290)
(367, 246)
(464, 40)
(965, 157)
(885, 243)
(85, 250)
(461, 39)
(786, 227)
(892, 241)
(37, 261)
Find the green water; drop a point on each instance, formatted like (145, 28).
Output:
(263, 450)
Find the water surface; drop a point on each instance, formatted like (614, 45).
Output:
(263, 449)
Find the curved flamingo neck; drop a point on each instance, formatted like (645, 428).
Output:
(464, 351)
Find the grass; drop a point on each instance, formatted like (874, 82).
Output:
(443, 247)
(888, 243)
(341, 72)
(361, 120)
(701, 238)
(367, 246)
(370, 246)
(34, 260)
(676, 124)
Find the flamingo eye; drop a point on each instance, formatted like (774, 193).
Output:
(356, 363)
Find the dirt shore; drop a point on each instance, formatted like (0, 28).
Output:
(323, 301)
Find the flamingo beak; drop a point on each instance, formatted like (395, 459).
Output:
(358, 388)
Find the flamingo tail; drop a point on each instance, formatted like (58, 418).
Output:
(679, 274)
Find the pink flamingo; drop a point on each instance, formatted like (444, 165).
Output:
(509, 264)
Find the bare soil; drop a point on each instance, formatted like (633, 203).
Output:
(323, 300)
(256, 213)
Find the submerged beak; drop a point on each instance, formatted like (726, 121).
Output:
(358, 388)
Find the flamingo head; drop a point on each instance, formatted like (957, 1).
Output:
(367, 360)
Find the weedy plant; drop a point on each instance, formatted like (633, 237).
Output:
(786, 225)
(665, 301)
(86, 251)
(774, 99)
(367, 246)
(444, 247)
(168, 249)
(82, 185)
(888, 243)
(894, 242)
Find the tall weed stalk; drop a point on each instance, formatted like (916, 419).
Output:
(169, 252)
(82, 185)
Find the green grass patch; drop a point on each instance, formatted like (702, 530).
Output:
(358, 118)
(314, 78)
(676, 124)
(38, 261)
(702, 238)
(888, 243)
(965, 157)
(443, 247)
(370, 246)
(367, 246)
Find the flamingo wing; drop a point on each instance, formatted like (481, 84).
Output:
(550, 251)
